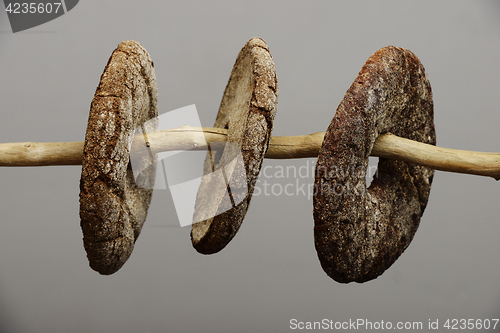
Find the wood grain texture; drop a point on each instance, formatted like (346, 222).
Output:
(360, 232)
(112, 207)
(247, 112)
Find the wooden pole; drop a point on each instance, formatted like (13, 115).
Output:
(281, 147)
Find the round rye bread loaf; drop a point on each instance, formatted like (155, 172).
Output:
(359, 232)
(247, 112)
(112, 207)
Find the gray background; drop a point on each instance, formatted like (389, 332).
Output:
(269, 273)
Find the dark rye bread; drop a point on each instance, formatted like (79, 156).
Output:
(247, 111)
(112, 207)
(360, 232)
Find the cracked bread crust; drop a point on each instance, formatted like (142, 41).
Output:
(247, 111)
(112, 207)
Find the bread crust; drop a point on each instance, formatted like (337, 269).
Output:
(247, 110)
(112, 207)
(360, 232)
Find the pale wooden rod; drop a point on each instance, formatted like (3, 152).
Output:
(281, 147)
